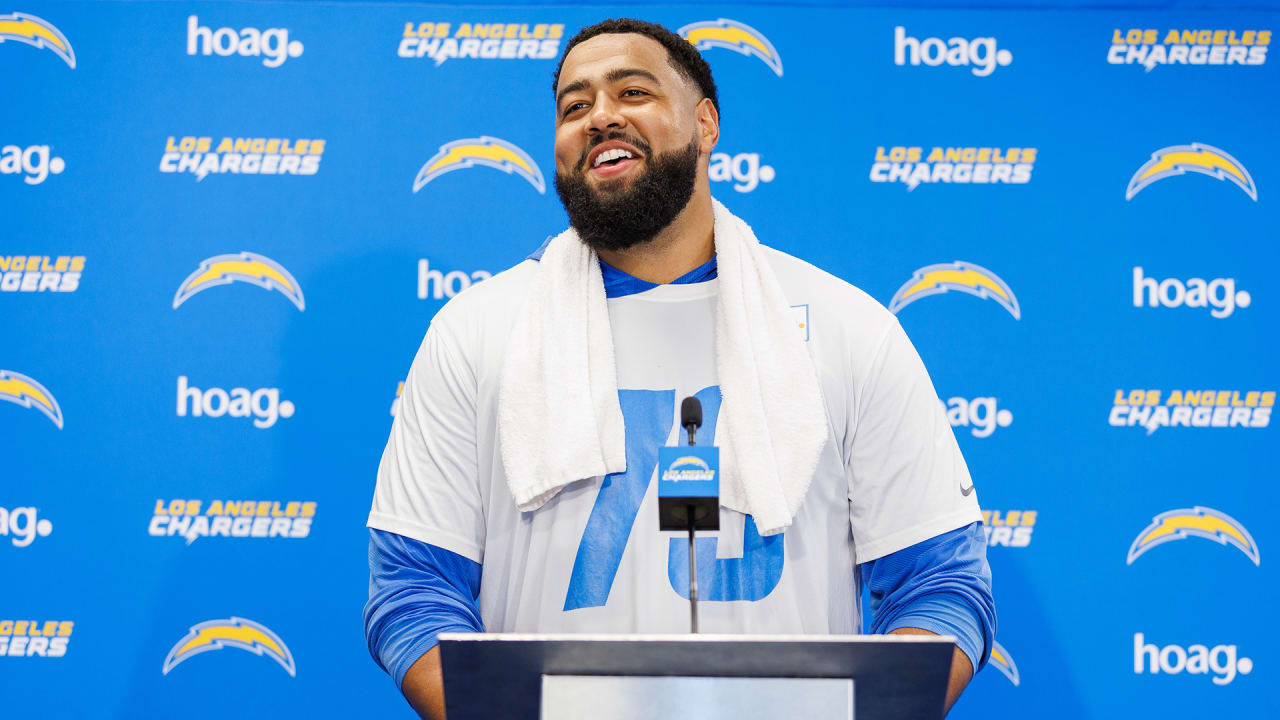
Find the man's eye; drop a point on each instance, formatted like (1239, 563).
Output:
(573, 107)
(635, 91)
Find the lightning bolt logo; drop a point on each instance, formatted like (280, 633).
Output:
(1003, 661)
(733, 35)
(484, 150)
(37, 33)
(1201, 522)
(690, 460)
(1196, 157)
(233, 632)
(22, 390)
(959, 275)
(243, 267)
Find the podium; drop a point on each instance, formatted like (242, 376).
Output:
(516, 676)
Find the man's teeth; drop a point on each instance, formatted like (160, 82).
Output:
(614, 154)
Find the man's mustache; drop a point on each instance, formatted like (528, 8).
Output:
(631, 140)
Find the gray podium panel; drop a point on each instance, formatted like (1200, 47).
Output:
(622, 697)
(896, 677)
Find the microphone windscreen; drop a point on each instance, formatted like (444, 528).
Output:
(691, 413)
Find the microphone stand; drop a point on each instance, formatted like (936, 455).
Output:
(693, 558)
(693, 577)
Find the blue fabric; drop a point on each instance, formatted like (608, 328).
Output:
(942, 585)
(619, 284)
(416, 592)
(537, 254)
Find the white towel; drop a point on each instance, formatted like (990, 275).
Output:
(559, 418)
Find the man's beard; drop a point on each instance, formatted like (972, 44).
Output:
(620, 219)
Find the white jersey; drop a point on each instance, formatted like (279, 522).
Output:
(592, 558)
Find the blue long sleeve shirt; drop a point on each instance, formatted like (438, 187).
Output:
(417, 591)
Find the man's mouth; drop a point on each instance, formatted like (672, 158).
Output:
(613, 162)
(613, 159)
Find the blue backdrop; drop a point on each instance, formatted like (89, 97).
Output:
(227, 226)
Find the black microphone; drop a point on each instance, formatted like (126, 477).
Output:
(691, 416)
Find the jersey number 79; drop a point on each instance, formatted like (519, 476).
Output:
(649, 416)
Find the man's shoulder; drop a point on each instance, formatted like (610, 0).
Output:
(476, 323)
(841, 304)
(491, 301)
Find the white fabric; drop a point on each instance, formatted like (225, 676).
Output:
(558, 413)
(889, 475)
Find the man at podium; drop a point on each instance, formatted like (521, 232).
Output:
(516, 492)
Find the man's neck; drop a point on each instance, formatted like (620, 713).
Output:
(685, 244)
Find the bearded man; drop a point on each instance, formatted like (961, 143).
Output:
(515, 488)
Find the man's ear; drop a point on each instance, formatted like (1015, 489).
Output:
(708, 126)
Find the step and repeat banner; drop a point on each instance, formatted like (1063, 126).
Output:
(226, 227)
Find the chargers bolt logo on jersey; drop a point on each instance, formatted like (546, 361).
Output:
(241, 156)
(801, 315)
(273, 44)
(1200, 522)
(1003, 661)
(38, 33)
(34, 163)
(1221, 660)
(32, 638)
(959, 275)
(22, 390)
(979, 53)
(1220, 294)
(484, 150)
(733, 35)
(1196, 157)
(235, 632)
(441, 41)
(40, 273)
(1146, 47)
(244, 267)
(958, 165)
(1192, 408)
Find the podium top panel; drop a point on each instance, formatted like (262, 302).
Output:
(899, 677)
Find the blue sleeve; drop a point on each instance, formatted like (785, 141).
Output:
(416, 592)
(942, 585)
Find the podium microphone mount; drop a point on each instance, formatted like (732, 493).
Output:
(691, 420)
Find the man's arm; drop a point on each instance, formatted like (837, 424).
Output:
(426, 539)
(961, 669)
(416, 592)
(424, 686)
(940, 586)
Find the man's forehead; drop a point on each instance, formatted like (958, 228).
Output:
(592, 59)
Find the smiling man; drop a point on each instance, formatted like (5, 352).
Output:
(516, 493)
(630, 152)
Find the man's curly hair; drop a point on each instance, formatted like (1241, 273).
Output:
(682, 55)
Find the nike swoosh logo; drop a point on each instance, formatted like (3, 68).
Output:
(966, 491)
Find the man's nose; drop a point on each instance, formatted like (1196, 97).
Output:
(605, 115)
